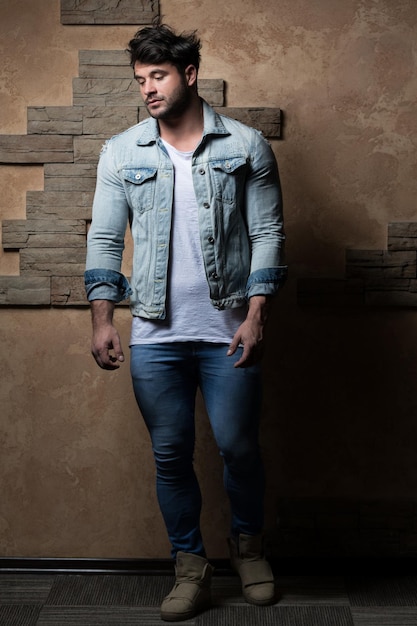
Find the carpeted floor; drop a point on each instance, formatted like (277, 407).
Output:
(28, 599)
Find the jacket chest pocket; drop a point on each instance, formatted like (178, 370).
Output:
(140, 184)
(228, 176)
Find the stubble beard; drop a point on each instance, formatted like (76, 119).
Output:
(175, 105)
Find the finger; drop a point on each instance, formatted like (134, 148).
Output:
(110, 364)
(244, 359)
(105, 360)
(251, 356)
(118, 354)
(117, 348)
(233, 346)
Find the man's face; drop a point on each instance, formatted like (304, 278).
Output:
(164, 90)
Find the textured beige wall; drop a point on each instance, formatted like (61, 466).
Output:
(76, 473)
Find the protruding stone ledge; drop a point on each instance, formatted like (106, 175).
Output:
(104, 64)
(402, 236)
(25, 291)
(72, 205)
(55, 120)
(87, 149)
(380, 263)
(70, 176)
(43, 233)
(52, 262)
(30, 149)
(108, 121)
(68, 291)
(105, 92)
(108, 12)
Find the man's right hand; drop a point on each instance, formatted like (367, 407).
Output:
(106, 346)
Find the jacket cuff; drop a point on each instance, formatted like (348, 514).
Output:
(103, 284)
(266, 281)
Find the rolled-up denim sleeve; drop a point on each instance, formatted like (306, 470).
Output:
(102, 284)
(266, 282)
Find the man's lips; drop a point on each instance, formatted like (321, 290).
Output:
(153, 101)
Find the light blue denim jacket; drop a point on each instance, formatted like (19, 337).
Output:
(238, 194)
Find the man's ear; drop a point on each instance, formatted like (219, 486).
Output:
(190, 75)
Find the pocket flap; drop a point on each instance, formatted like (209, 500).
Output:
(229, 165)
(139, 175)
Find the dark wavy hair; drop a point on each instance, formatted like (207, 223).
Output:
(160, 44)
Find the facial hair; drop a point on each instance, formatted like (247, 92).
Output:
(175, 104)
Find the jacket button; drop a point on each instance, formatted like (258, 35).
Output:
(201, 171)
(210, 239)
(138, 176)
(206, 205)
(214, 275)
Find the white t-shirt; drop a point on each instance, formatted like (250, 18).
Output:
(190, 314)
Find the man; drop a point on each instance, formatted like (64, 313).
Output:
(202, 195)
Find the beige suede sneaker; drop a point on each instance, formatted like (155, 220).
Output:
(248, 560)
(191, 593)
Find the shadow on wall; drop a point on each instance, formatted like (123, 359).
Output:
(339, 432)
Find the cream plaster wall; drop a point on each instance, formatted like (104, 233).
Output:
(76, 473)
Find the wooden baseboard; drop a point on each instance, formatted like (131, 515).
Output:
(297, 566)
(47, 565)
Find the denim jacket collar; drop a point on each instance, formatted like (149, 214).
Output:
(213, 125)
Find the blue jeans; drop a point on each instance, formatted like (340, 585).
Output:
(165, 381)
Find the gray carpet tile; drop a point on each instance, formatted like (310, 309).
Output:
(329, 590)
(19, 615)
(382, 591)
(384, 616)
(130, 599)
(226, 590)
(276, 615)
(25, 588)
(102, 616)
(109, 590)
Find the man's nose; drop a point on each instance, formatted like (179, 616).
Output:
(149, 87)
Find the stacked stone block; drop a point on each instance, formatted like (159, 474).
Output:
(108, 12)
(372, 277)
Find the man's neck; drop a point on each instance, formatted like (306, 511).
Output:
(184, 133)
